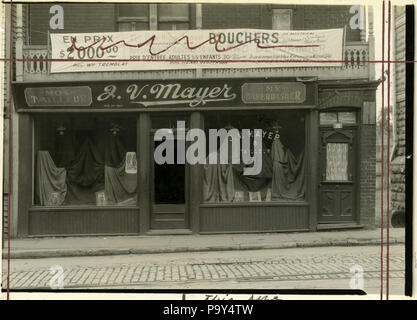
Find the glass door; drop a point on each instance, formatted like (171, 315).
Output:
(169, 190)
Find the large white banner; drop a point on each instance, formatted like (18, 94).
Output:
(189, 49)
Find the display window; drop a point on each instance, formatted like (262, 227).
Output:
(85, 160)
(282, 177)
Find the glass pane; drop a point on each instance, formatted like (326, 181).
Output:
(337, 162)
(169, 180)
(86, 160)
(328, 117)
(282, 19)
(347, 117)
(134, 10)
(133, 26)
(125, 26)
(173, 26)
(281, 162)
(173, 11)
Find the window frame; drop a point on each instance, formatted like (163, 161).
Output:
(68, 207)
(152, 18)
(132, 20)
(337, 111)
(173, 19)
(302, 202)
(276, 10)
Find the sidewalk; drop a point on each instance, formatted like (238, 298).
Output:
(120, 245)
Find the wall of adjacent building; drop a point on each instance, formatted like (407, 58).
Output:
(4, 88)
(398, 162)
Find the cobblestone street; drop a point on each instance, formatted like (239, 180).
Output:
(232, 269)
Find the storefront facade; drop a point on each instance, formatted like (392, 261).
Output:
(89, 148)
(84, 164)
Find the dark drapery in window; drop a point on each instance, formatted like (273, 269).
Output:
(282, 177)
(96, 166)
(282, 172)
(51, 188)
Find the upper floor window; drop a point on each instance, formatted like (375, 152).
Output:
(133, 17)
(282, 19)
(173, 16)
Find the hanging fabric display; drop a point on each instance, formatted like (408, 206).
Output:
(87, 169)
(119, 186)
(257, 182)
(111, 149)
(288, 173)
(219, 182)
(66, 149)
(282, 176)
(219, 179)
(226, 182)
(86, 175)
(210, 182)
(51, 188)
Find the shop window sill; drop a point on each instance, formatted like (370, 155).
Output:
(81, 208)
(158, 232)
(256, 204)
(338, 226)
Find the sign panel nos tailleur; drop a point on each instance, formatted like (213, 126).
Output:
(166, 94)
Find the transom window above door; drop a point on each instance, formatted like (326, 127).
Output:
(131, 17)
(343, 117)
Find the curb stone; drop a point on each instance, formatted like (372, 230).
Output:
(53, 253)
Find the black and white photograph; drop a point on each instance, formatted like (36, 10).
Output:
(200, 146)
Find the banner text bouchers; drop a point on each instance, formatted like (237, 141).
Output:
(179, 49)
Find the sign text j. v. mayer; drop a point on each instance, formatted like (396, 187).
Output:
(168, 94)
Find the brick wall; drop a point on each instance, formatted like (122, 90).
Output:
(260, 17)
(398, 163)
(4, 88)
(367, 168)
(328, 17)
(77, 18)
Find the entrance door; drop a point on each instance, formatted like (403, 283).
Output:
(338, 178)
(169, 193)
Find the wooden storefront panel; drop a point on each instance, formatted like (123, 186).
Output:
(74, 221)
(254, 218)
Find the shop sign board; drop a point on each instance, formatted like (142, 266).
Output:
(274, 92)
(79, 96)
(166, 94)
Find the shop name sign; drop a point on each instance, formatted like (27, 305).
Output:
(191, 49)
(148, 95)
(274, 92)
(166, 94)
(59, 96)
